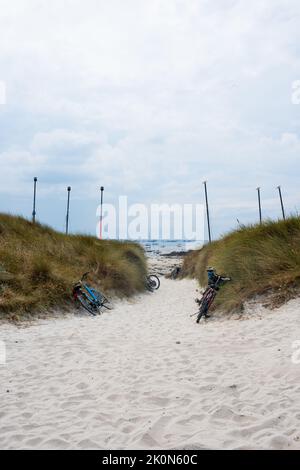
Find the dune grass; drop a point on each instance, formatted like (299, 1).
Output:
(38, 266)
(260, 259)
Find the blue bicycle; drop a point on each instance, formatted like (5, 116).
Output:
(90, 299)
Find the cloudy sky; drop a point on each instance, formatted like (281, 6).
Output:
(149, 98)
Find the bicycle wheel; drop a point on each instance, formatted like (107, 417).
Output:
(153, 281)
(106, 304)
(101, 299)
(203, 310)
(87, 304)
(206, 302)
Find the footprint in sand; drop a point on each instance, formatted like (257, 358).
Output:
(87, 444)
(55, 444)
(33, 442)
(279, 442)
(82, 386)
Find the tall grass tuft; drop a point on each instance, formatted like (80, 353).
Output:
(259, 258)
(38, 266)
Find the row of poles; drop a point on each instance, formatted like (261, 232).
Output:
(101, 207)
(68, 206)
(281, 203)
(259, 207)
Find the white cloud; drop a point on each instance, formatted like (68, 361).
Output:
(149, 98)
(289, 139)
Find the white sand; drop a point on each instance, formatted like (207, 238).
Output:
(121, 380)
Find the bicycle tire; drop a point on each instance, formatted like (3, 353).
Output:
(107, 305)
(203, 310)
(87, 304)
(148, 285)
(153, 281)
(103, 301)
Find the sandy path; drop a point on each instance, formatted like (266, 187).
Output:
(122, 380)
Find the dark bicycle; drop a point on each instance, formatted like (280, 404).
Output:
(90, 299)
(208, 297)
(152, 282)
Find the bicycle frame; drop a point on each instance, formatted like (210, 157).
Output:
(208, 296)
(211, 297)
(90, 291)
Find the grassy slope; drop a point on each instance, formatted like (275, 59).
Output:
(259, 258)
(38, 266)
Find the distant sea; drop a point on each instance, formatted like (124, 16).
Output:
(158, 247)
